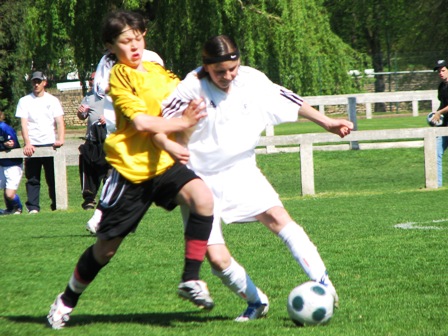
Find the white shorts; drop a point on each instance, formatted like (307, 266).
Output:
(10, 177)
(239, 194)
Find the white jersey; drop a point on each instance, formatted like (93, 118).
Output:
(41, 113)
(222, 145)
(235, 120)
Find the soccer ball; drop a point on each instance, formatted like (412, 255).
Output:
(310, 304)
(435, 124)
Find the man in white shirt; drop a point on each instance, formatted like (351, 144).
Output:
(40, 114)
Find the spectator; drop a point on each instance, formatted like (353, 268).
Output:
(10, 169)
(93, 167)
(442, 141)
(40, 114)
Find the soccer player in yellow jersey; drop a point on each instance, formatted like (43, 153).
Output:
(142, 173)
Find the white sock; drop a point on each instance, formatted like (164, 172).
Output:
(238, 281)
(303, 251)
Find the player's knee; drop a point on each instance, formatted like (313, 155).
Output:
(204, 204)
(218, 262)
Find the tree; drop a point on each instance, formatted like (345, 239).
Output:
(372, 27)
(289, 40)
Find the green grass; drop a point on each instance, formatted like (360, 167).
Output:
(390, 281)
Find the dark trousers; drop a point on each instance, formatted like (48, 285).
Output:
(91, 176)
(33, 169)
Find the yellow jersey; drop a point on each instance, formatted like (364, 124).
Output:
(133, 153)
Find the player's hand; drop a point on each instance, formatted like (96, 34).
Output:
(435, 118)
(102, 120)
(340, 127)
(194, 112)
(58, 144)
(9, 143)
(177, 152)
(28, 150)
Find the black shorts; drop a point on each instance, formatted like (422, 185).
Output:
(124, 203)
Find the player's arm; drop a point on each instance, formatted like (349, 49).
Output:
(60, 130)
(340, 127)
(194, 112)
(175, 149)
(28, 148)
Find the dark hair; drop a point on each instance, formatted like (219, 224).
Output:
(116, 21)
(217, 49)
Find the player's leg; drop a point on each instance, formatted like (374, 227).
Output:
(12, 176)
(33, 168)
(126, 205)
(235, 277)
(87, 268)
(199, 200)
(299, 244)
(48, 163)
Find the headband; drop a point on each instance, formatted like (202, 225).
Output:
(233, 56)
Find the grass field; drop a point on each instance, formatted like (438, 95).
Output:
(391, 281)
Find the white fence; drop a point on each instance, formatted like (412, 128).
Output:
(307, 141)
(270, 144)
(378, 97)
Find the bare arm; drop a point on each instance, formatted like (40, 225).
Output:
(340, 127)
(192, 114)
(28, 148)
(61, 131)
(176, 150)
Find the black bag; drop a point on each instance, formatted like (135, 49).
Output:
(92, 151)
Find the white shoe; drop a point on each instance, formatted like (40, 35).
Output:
(255, 310)
(59, 313)
(94, 222)
(327, 283)
(32, 212)
(197, 292)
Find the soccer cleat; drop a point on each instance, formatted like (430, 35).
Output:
(32, 212)
(94, 221)
(197, 292)
(255, 310)
(59, 313)
(327, 283)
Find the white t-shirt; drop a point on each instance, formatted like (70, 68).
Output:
(41, 113)
(235, 119)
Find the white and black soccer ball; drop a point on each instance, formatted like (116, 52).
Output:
(435, 124)
(310, 304)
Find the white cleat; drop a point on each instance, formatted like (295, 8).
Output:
(59, 313)
(328, 284)
(255, 310)
(196, 291)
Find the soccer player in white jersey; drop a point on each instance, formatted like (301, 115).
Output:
(240, 103)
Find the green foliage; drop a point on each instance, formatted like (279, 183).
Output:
(290, 41)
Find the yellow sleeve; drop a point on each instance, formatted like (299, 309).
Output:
(122, 91)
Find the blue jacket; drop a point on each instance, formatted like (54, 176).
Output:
(8, 133)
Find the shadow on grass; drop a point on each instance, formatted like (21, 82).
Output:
(158, 319)
(86, 235)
